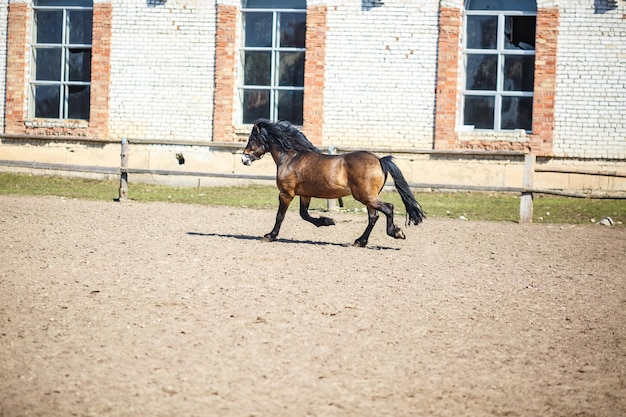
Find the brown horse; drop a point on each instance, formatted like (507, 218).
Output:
(301, 169)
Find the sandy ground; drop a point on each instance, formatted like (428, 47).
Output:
(129, 309)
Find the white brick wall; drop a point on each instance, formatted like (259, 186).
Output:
(590, 105)
(380, 74)
(162, 66)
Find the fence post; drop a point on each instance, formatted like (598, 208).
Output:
(123, 174)
(526, 202)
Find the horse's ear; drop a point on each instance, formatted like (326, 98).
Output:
(258, 130)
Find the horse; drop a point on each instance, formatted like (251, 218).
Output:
(303, 170)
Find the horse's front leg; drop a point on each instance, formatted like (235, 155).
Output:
(304, 213)
(283, 204)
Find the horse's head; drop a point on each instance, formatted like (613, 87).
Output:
(256, 147)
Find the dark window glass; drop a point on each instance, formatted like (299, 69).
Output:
(275, 4)
(48, 64)
(258, 30)
(49, 26)
(519, 73)
(62, 73)
(519, 32)
(78, 102)
(290, 106)
(256, 104)
(517, 113)
(80, 22)
(482, 72)
(478, 111)
(524, 5)
(292, 30)
(273, 58)
(500, 63)
(84, 3)
(47, 101)
(291, 69)
(257, 68)
(79, 65)
(482, 32)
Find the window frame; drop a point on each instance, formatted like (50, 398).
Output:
(501, 52)
(64, 83)
(275, 50)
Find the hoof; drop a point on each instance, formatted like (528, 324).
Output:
(359, 244)
(327, 221)
(399, 234)
(268, 238)
(322, 221)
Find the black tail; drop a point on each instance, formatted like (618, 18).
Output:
(414, 212)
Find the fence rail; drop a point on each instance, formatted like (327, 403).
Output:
(92, 169)
(526, 190)
(582, 172)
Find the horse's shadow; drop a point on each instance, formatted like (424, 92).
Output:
(280, 240)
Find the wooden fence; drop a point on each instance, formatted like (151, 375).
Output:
(526, 190)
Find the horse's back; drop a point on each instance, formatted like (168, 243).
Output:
(361, 158)
(314, 174)
(332, 176)
(366, 177)
(363, 164)
(357, 167)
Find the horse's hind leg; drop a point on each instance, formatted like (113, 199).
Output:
(387, 209)
(372, 218)
(304, 213)
(283, 204)
(392, 230)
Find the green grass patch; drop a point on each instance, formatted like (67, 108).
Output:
(20, 184)
(470, 205)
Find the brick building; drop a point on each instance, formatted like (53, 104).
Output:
(545, 76)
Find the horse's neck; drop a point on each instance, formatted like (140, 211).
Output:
(279, 155)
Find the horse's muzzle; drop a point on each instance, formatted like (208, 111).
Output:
(246, 159)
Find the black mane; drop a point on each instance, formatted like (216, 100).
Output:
(284, 134)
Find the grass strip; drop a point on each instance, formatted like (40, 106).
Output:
(464, 205)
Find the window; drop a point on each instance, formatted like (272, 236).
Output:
(61, 59)
(272, 60)
(499, 59)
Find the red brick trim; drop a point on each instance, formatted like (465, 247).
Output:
(314, 70)
(17, 80)
(225, 74)
(447, 90)
(542, 138)
(18, 45)
(450, 21)
(224, 113)
(100, 70)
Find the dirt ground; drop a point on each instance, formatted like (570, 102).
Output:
(131, 309)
